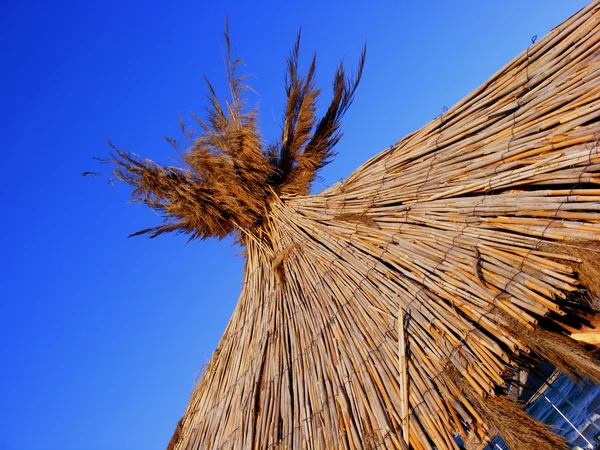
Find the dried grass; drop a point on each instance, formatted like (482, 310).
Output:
(230, 176)
(566, 354)
(304, 150)
(279, 259)
(474, 442)
(506, 418)
(357, 218)
(176, 435)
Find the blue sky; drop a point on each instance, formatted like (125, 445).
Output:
(101, 336)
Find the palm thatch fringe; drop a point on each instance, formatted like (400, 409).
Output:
(507, 419)
(479, 227)
(565, 354)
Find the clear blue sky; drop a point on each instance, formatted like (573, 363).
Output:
(101, 336)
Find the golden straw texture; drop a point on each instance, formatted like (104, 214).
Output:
(460, 226)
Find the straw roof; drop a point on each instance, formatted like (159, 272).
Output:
(390, 310)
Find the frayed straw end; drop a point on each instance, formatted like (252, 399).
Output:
(518, 429)
(176, 435)
(588, 252)
(507, 419)
(566, 354)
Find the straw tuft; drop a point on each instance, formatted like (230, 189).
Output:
(504, 417)
(229, 176)
(567, 355)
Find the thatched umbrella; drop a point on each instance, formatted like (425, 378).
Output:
(390, 310)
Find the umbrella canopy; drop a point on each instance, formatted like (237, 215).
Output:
(390, 310)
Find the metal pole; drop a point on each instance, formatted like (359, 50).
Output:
(569, 422)
(581, 413)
